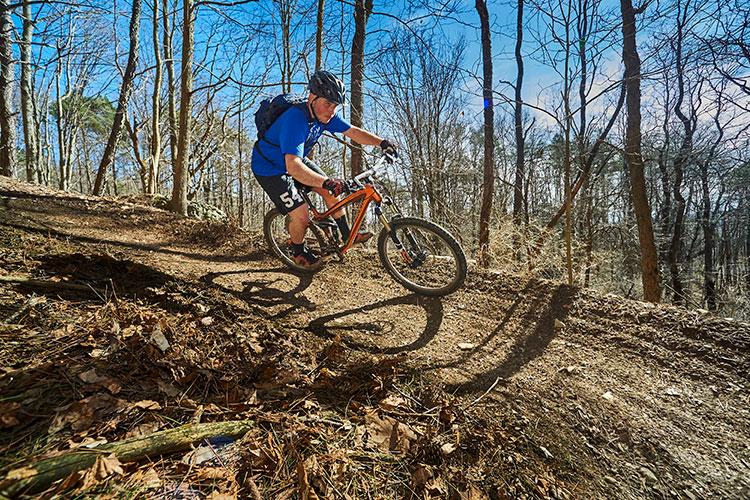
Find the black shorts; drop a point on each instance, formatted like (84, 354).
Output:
(284, 191)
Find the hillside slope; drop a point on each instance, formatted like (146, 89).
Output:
(537, 389)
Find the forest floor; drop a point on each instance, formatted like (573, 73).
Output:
(119, 320)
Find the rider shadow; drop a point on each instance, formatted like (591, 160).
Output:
(432, 306)
(262, 294)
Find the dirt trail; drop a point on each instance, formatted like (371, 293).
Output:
(620, 398)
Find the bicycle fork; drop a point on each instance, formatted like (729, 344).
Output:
(410, 260)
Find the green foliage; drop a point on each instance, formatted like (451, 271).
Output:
(93, 113)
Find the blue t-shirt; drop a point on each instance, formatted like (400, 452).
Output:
(291, 133)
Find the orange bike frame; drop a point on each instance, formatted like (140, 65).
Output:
(367, 194)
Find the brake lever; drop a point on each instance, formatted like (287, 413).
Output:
(353, 185)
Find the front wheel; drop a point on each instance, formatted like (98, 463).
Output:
(422, 256)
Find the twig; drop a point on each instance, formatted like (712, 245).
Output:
(497, 380)
(31, 302)
(254, 491)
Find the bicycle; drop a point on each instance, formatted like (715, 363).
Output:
(419, 254)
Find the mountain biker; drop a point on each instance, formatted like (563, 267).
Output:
(279, 162)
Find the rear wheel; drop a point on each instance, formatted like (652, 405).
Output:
(430, 262)
(276, 232)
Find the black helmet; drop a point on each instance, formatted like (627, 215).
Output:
(325, 84)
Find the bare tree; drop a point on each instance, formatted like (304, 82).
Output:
(179, 202)
(122, 103)
(633, 156)
(155, 157)
(30, 131)
(7, 116)
(319, 36)
(683, 154)
(171, 90)
(518, 217)
(488, 178)
(362, 9)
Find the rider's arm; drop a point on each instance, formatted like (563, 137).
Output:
(297, 169)
(363, 137)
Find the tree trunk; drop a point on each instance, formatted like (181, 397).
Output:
(179, 201)
(153, 171)
(362, 9)
(319, 36)
(518, 216)
(680, 162)
(61, 142)
(122, 103)
(30, 137)
(709, 229)
(171, 91)
(747, 245)
(633, 157)
(7, 78)
(566, 157)
(143, 170)
(488, 182)
(240, 180)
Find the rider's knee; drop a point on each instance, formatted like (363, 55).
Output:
(301, 214)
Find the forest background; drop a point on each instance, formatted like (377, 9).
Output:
(597, 142)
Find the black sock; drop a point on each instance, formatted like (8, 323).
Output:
(297, 248)
(343, 227)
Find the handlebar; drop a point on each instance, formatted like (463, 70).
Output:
(376, 169)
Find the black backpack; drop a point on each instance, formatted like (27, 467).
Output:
(271, 109)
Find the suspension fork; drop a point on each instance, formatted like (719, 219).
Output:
(408, 258)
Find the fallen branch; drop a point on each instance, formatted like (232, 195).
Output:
(40, 475)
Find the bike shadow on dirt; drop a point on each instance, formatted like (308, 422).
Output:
(265, 293)
(526, 348)
(432, 306)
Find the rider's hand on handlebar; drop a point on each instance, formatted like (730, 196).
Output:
(336, 187)
(388, 148)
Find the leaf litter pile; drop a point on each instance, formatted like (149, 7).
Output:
(161, 387)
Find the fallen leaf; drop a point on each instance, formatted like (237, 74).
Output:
(214, 473)
(436, 488)
(147, 404)
(387, 433)
(148, 479)
(559, 325)
(671, 391)
(420, 476)
(216, 495)
(546, 452)
(466, 346)
(104, 467)
(158, 338)
(608, 396)
(82, 414)
(91, 377)
(305, 490)
(447, 449)
(144, 429)
(393, 402)
(207, 321)
(474, 493)
(8, 416)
